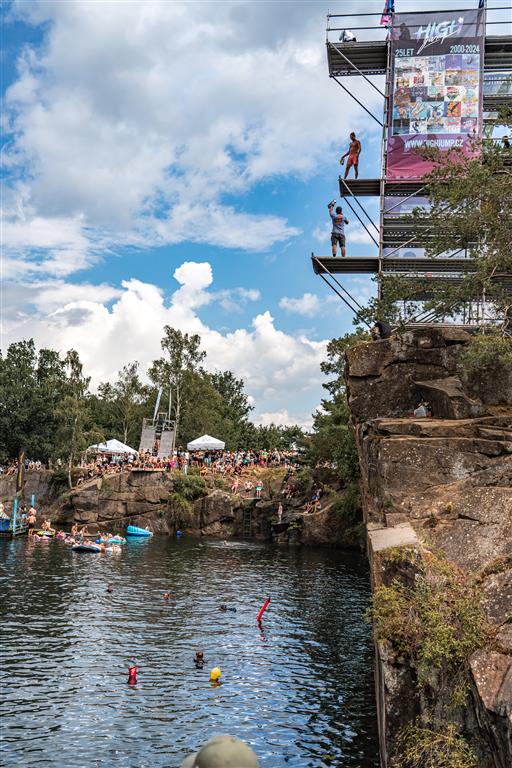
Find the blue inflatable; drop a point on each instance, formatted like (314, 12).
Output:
(133, 530)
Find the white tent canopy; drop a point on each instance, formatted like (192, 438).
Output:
(111, 446)
(206, 443)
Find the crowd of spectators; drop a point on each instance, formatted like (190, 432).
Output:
(30, 465)
(207, 462)
(223, 463)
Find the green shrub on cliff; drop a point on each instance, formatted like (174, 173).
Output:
(424, 746)
(348, 504)
(189, 487)
(435, 619)
(490, 350)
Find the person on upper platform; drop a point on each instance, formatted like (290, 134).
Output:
(338, 228)
(353, 153)
(347, 36)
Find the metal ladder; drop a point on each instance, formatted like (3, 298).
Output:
(247, 523)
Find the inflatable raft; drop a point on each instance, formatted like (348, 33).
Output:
(133, 530)
(86, 548)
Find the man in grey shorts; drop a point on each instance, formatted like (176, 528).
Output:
(338, 228)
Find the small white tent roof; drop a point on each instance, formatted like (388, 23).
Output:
(206, 443)
(111, 446)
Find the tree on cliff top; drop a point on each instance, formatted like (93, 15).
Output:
(182, 356)
(77, 431)
(332, 441)
(121, 406)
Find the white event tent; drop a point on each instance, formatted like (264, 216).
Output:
(206, 443)
(111, 446)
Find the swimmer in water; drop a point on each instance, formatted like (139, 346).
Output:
(199, 660)
(167, 595)
(223, 607)
(110, 588)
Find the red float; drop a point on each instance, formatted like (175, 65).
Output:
(263, 609)
(132, 675)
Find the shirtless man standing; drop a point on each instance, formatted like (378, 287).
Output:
(353, 153)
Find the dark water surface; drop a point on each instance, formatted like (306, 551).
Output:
(300, 690)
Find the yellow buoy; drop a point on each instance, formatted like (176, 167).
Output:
(215, 674)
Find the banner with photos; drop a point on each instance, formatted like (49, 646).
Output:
(436, 79)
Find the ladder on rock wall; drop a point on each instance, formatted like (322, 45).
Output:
(247, 523)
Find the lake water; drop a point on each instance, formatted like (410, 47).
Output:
(299, 690)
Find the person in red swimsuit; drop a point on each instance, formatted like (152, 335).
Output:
(353, 153)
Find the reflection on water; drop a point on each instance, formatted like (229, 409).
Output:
(299, 688)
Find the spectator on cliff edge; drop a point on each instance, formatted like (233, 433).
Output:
(381, 330)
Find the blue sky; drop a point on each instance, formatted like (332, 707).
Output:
(171, 163)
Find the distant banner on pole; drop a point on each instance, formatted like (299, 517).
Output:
(436, 86)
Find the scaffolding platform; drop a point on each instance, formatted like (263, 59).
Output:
(371, 187)
(372, 265)
(369, 57)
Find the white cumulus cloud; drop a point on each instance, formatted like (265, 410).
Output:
(134, 120)
(114, 326)
(308, 304)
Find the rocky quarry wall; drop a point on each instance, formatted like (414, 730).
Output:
(150, 498)
(438, 485)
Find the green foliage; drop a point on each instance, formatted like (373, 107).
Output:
(348, 505)
(335, 363)
(121, 406)
(46, 405)
(189, 487)
(487, 350)
(182, 357)
(179, 504)
(332, 442)
(303, 481)
(31, 387)
(421, 745)
(436, 622)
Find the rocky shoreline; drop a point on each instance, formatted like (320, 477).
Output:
(149, 498)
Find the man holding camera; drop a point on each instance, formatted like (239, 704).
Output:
(338, 228)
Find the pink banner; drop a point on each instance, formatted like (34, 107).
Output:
(436, 86)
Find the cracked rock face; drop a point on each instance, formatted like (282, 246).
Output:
(391, 376)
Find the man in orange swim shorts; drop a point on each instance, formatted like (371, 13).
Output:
(353, 153)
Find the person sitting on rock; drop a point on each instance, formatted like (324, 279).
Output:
(381, 330)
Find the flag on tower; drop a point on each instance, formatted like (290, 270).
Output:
(387, 13)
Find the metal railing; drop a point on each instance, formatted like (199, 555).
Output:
(333, 26)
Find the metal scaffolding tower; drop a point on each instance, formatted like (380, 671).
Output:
(399, 243)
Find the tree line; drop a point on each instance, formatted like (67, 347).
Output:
(47, 406)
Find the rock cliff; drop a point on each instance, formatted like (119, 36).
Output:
(439, 485)
(150, 498)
